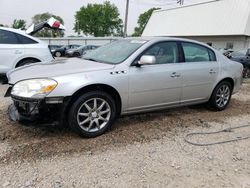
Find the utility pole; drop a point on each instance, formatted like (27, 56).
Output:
(126, 20)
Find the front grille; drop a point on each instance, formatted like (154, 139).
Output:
(26, 108)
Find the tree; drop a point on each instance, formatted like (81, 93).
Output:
(19, 24)
(38, 18)
(98, 20)
(142, 21)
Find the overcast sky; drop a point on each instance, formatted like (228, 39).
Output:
(26, 9)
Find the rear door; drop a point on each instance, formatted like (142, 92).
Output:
(10, 50)
(30, 47)
(200, 72)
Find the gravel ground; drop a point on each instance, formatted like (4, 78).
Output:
(146, 150)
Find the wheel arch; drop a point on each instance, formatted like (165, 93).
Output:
(27, 58)
(228, 79)
(97, 87)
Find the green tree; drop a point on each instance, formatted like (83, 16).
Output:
(142, 22)
(19, 24)
(98, 20)
(45, 32)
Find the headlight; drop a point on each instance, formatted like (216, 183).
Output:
(35, 88)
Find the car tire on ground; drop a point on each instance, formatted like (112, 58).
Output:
(76, 54)
(27, 62)
(221, 96)
(58, 54)
(92, 114)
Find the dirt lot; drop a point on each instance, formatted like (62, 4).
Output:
(145, 150)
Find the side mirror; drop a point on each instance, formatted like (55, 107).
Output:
(147, 60)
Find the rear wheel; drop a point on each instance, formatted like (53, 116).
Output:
(76, 54)
(58, 54)
(92, 114)
(27, 62)
(221, 96)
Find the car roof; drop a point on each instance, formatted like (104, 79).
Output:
(158, 38)
(161, 38)
(13, 30)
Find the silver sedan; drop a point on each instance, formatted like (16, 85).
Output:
(124, 77)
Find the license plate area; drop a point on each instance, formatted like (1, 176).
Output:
(26, 108)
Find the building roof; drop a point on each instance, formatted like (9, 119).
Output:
(214, 18)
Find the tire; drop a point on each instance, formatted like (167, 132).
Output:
(27, 62)
(84, 116)
(58, 54)
(76, 54)
(221, 96)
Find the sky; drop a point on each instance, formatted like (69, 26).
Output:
(26, 9)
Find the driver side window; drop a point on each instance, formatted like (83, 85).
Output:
(164, 52)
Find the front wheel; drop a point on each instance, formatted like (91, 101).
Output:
(221, 96)
(92, 114)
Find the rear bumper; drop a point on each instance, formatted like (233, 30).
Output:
(237, 84)
(48, 58)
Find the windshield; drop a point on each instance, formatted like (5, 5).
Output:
(81, 47)
(115, 52)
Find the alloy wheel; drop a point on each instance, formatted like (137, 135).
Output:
(94, 114)
(223, 95)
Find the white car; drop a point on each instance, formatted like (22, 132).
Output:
(18, 49)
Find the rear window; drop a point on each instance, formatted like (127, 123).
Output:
(8, 37)
(25, 40)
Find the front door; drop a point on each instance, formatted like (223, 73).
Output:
(157, 85)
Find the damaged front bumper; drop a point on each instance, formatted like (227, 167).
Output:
(49, 110)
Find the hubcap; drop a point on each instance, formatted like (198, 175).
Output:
(223, 95)
(94, 114)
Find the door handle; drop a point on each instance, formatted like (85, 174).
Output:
(175, 75)
(18, 52)
(212, 71)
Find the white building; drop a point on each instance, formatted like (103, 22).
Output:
(221, 23)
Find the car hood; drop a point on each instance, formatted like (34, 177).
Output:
(55, 68)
